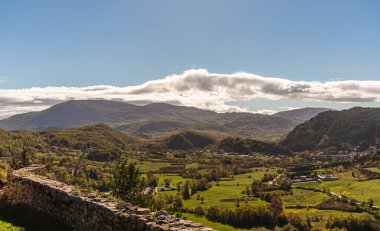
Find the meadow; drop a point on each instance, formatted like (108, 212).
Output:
(322, 215)
(224, 193)
(376, 170)
(304, 198)
(359, 190)
(216, 225)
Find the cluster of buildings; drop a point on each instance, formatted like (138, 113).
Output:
(348, 155)
(320, 177)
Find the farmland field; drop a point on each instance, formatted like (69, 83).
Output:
(322, 215)
(216, 225)
(224, 193)
(361, 191)
(376, 170)
(304, 198)
(150, 165)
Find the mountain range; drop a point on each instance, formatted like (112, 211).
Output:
(159, 119)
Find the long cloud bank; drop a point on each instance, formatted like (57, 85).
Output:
(197, 88)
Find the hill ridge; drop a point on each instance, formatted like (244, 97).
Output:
(150, 120)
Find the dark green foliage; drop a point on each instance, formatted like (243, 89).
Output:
(256, 216)
(276, 205)
(350, 223)
(356, 126)
(167, 182)
(85, 138)
(27, 155)
(128, 185)
(186, 191)
(297, 222)
(102, 155)
(152, 180)
(247, 146)
(189, 140)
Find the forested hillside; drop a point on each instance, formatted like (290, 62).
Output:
(248, 146)
(336, 128)
(189, 140)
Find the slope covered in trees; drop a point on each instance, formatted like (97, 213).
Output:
(93, 136)
(336, 128)
(247, 146)
(100, 142)
(189, 140)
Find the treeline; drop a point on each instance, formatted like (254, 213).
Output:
(248, 146)
(211, 175)
(351, 223)
(254, 216)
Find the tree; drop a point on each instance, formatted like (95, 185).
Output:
(186, 191)
(370, 202)
(297, 222)
(128, 185)
(276, 205)
(285, 184)
(237, 203)
(177, 204)
(152, 180)
(27, 155)
(167, 182)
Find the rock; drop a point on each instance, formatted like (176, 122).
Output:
(161, 217)
(162, 213)
(143, 211)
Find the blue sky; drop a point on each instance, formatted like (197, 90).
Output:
(80, 43)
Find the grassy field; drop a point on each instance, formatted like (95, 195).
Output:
(225, 193)
(5, 226)
(145, 166)
(228, 190)
(361, 191)
(216, 225)
(304, 198)
(323, 215)
(377, 170)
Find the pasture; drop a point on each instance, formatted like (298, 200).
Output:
(224, 193)
(304, 198)
(376, 170)
(359, 190)
(322, 215)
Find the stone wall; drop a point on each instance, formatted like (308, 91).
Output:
(85, 211)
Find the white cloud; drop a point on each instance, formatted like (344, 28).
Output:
(197, 88)
(265, 111)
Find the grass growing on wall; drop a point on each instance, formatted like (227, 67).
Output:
(5, 226)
